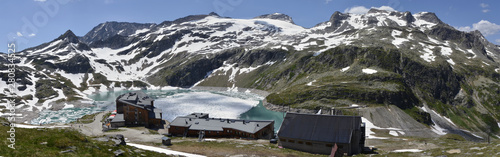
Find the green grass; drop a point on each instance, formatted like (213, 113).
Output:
(105, 117)
(89, 118)
(224, 148)
(28, 143)
(153, 131)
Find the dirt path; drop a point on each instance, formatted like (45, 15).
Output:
(91, 129)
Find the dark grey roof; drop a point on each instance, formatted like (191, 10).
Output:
(137, 98)
(197, 115)
(325, 128)
(118, 118)
(217, 124)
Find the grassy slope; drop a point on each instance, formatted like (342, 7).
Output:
(28, 144)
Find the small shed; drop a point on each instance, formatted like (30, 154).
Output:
(166, 141)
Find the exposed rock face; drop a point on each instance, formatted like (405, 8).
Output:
(77, 64)
(276, 16)
(431, 17)
(110, 29)
(336, 20)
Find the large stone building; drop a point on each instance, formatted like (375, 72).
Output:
(319, 133)
(193, 124)
(136, 109)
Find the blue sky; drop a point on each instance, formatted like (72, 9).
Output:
(33, 22)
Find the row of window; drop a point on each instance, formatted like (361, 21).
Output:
(308, 143)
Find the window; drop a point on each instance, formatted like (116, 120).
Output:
(300, 142)
(309, 143)
(329, 145)
(282, 139)
(291, 141)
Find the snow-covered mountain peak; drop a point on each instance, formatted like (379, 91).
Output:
(340, 22)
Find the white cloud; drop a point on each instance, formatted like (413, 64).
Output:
(364, 10)
(388, 8)
(486, 10)
(19, 34)
(484, 5)
(498, 41)
(32, 35)
(485, 27)
(40, 0)
(465, 29)
(357, 10)
(327, 1)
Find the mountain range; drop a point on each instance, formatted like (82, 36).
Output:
(416, 62)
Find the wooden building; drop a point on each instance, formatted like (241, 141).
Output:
(193, 124)
(319, 133)
(137, 109)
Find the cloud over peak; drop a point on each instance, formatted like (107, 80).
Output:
(485, 27)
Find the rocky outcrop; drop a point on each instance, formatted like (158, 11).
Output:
(276, 16)
(110, 29)
(336, 20)
(77, 64)
(431, 17)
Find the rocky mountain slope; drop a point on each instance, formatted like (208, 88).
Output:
(416, 62)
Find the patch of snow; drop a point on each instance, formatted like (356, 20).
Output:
(369, 125)
(407, 150)
(140, 31)
(446, 118)
(438, 129)
(497, 70)
(397, 40)
(446, 51)
(162, 150)
(319, 111)
(393, 133)
(369, 71)
(472, 134)
(68, 106)
(311, 83)
(486, 63)
(450, 61)
(354, 105)
(424, 109)
(419, 22)
(477, 148)
(428, 56)
(76, 79)
(401, 132)
(345, 69)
